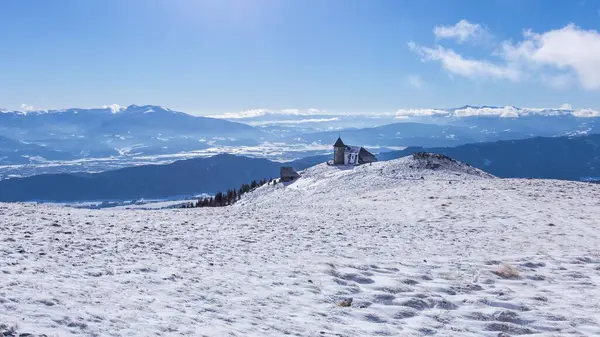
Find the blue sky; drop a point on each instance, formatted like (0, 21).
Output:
(217, 56)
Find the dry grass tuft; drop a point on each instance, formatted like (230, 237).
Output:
(507, 271)
(345, 302)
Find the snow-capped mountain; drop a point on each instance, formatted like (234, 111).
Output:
(114, 131)
(434, 131)
(147, 119)
(429, 127)
(317, 120)
(410, 247)
(137, 133)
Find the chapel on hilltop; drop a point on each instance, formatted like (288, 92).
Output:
(350, 155)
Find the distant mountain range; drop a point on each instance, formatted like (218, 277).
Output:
(136, 133)
(494, 117)
(113, 131)
(413, 134)
(459, 126)
(569, 158)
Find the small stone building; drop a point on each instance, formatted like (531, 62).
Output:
(287, 173)
(351, 155)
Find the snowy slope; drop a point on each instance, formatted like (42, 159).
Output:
(416, 256)
(324, 181)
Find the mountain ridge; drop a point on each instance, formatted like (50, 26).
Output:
(102, 132)
(567, 158)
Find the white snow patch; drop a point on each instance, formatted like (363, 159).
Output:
(415, 256)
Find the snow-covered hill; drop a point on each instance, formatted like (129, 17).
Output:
(374, 250)
(324, 181)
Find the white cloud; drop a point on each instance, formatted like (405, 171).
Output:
(462, 31)
(312, 115)
(272, 117)
(569, 49)
(586, 113)
(507, 111)
(114, 108)
(511, 111)
(558, 58)
(459, 65)
(566, 106)
(243, 114)
(504, 112)
(403, 113)
(253, 113)
(26, 107)
(296, 121)
(416, 81)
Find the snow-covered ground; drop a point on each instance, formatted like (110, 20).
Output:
(449, 251)
(158, 204)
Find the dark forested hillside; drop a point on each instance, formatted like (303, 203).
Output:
(186, 177)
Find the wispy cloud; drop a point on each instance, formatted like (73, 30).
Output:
(557, 58)
(506, 111)
(558, 81)
(283, 117)
(295, 121)
(457, 64)
(253, 113)
(420, 112)
(462, 31)
(586, 113)
(416, 81)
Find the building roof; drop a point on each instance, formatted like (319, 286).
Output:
(352, 149)
(366, 156)
(339, 143)
(288, 171)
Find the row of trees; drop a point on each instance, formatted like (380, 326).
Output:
(231, 196)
